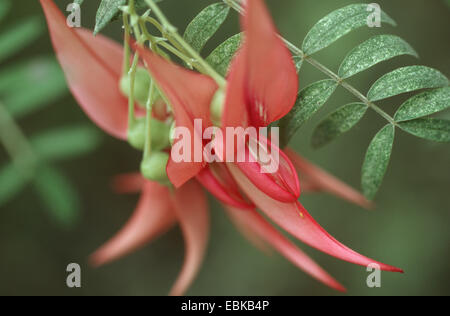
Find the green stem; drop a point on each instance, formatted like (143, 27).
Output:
(298, 52)
(149, 108)
(16, 143)
(172, 31)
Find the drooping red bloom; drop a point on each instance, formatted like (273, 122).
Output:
(262, 86)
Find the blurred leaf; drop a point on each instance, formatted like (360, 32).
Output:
(373, 51)
(338, 123)
(428, 128)
(309, 101)
(337, 24)
(406, 79)
(20, 36)
(377, 160)
(205, 25)
(107, 10)
(11, 183)
(5, 5)
(221, 57)
(58, 195)
(79, 2)
(65, 142)
(424, 104)
(28, 86)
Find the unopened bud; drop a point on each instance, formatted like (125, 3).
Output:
(154, 167)
(217, 105)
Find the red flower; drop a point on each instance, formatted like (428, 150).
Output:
(262, 86)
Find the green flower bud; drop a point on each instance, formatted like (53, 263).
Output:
(160, 135)
(141, 86)
(217, 105)
(159, 132)
(154, 167)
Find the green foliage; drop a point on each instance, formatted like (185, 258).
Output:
(424, 104)
(19, 89)
(12, 182)
(5, 5)
(337, 123)
(17, 38)
(221, 57)
(107, 10)
(406, 79)
(309, 101)
(65, 142)
(24, 88)
(428, 128)
(110, 10)
(377, 161)
(58, 195)
(205, 25)
(373, 51)
(336, 25)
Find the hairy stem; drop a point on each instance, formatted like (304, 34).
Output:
(172, 31)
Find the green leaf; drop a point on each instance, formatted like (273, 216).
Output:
(337, 123)
(107, 10)
(65, 142)
(437, 130)
(11, 183)
(5, 5)
(373, 51)
(406, 79)
(28, 86)
(221, 57)
(298, 61)
(337, 24)
(20, 36)
(424, 104)
(58, 195)
(309, 101)
(79, 2)
(377, 160)
(205, 25)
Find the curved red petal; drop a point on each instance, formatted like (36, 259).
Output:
(190, 95)
(92, 66)
(293, 218)
(218, 181)
(191, 209)
(320, 180)
(271, 76)
(153, 216)
(266, 232)
(283, 184)
(128, 183)
(235, 113)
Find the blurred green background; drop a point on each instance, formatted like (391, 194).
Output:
(409, 228)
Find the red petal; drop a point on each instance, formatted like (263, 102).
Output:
(261, 228)
(282, 185)
(191, 209)
(190, 95)
(235, 112)
(153, 216)
(320, 180)
(92, 66)
(296, 220)
(128, 183)
(271, 77)
(218, 181)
